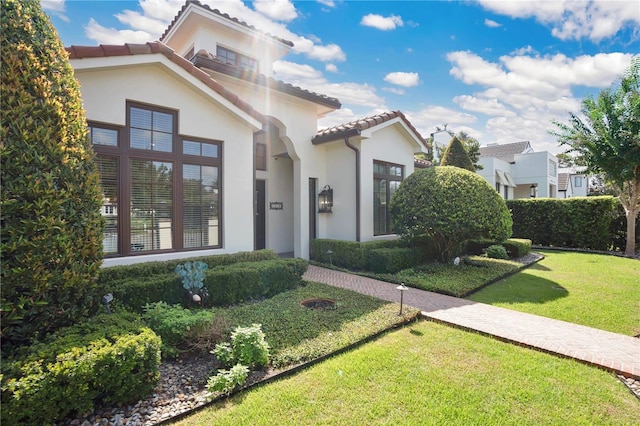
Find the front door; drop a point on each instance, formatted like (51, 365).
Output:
(261, 216)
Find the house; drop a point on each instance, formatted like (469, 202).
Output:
(202, 151)
(516, 171)
(572, 182)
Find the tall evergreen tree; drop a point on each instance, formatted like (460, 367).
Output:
(456, 155)
(51, 239)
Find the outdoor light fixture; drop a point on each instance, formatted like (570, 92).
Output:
(402, 289)
(325, 200)
(106, 299)
(329, 252)
(532, 190)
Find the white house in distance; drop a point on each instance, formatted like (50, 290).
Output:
(201, 151)
(573, 182)
(516, 171)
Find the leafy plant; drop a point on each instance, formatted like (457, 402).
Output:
(496, 251)
(248, 347)
(227, 380)
(192, 274)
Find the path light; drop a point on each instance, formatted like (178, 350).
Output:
(329, 252)
(402, 289)
(106, 299)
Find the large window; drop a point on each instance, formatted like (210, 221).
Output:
(236, 59)
(161, 190)
(387, 178)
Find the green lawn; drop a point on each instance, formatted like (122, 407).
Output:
(429, 373)
(595, 290)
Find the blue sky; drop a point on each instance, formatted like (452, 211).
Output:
(499, 70)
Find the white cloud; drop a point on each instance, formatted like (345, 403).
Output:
(394, 90)
(331, 68)
(328, 3)
(381, 22)
(491, 23)
(406, 79)
(595, 19)
(56, 7)
(105, 35)
(279, 10)
(483, 105)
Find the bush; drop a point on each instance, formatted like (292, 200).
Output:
(248, 347)
(496, 251)
(392, 260)
(51, 196)
(110, 358)
(451, 205)
(351, 255)
(227, 380)
(455, 155)
(517, 247)
(176, 325)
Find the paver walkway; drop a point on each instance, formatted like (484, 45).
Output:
(611, 351)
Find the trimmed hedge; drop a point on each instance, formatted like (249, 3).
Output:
(594, 223)
(348, 254)
(392, 260)
(109, 358)
(242, 282)
(515, 247)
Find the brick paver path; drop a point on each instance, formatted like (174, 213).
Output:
(611, 351)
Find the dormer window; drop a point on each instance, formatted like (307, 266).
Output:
(236, 59)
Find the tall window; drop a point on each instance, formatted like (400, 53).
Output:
(261, 156)
(553, 168)
(161, 190)
(387, 178)
(236, 59)
(578, 181)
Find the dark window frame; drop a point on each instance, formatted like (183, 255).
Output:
(388, 177)
(260, 152)
(240, 60)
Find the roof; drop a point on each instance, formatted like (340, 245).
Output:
(204, 59)
(563, 181)
(224, 15)
(505, 152)
(354, 128)
(420, 163)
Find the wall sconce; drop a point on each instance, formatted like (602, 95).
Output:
(532, 191)
(325, 200)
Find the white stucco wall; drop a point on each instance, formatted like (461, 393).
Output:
(104, 95)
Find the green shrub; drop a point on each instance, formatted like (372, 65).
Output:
(176, 325)
(227, 380)
(450, 205)
(477, 246)
(51, 196)
(348, 254)
(242, 282)
(517, 247)
(496, 251)
(110, 358)
(392, 260)
(456, 155)
(248, 347)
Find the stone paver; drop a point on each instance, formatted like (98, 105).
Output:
(611, 351)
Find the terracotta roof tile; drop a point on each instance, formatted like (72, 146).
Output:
(224, 15)
(355, 127)
(80, 52)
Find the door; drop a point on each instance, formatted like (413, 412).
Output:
(261, 216)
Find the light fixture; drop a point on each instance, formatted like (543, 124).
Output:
(402, 289)
(325, 200)
(106, 299)
(532, 191)
(330, 253)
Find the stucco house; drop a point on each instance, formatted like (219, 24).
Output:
(573, 182)
(202, 151)
(516, 171)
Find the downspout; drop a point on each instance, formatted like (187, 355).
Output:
(357, 151)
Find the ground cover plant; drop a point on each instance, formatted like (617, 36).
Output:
(428, 373)
(595, 290)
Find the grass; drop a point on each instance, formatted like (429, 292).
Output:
(426, 374)
(598, 291)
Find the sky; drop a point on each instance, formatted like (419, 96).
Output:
(501, 71)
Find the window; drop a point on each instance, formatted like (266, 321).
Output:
(236, 59)
(578, 181)
(161, 190)
(386, 180)
(261, 156)
(498, 187)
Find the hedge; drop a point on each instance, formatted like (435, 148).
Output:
(392, 260)
(515, 247)
(348, 254)
(109, 358)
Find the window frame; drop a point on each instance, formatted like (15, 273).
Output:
(388, 178)
(223, 52)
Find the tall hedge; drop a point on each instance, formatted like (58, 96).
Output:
(450, 205)
(51, 224)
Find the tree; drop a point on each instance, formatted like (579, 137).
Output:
(456, 155)
(470, 144)
(449, 205)
(607, 139)
(51, 239)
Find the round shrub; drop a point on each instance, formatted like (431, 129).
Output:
(449, 205)
(496, 251)
(50, 203)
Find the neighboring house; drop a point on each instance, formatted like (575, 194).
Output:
(201, 151)
(572, 182)
(516, 171)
